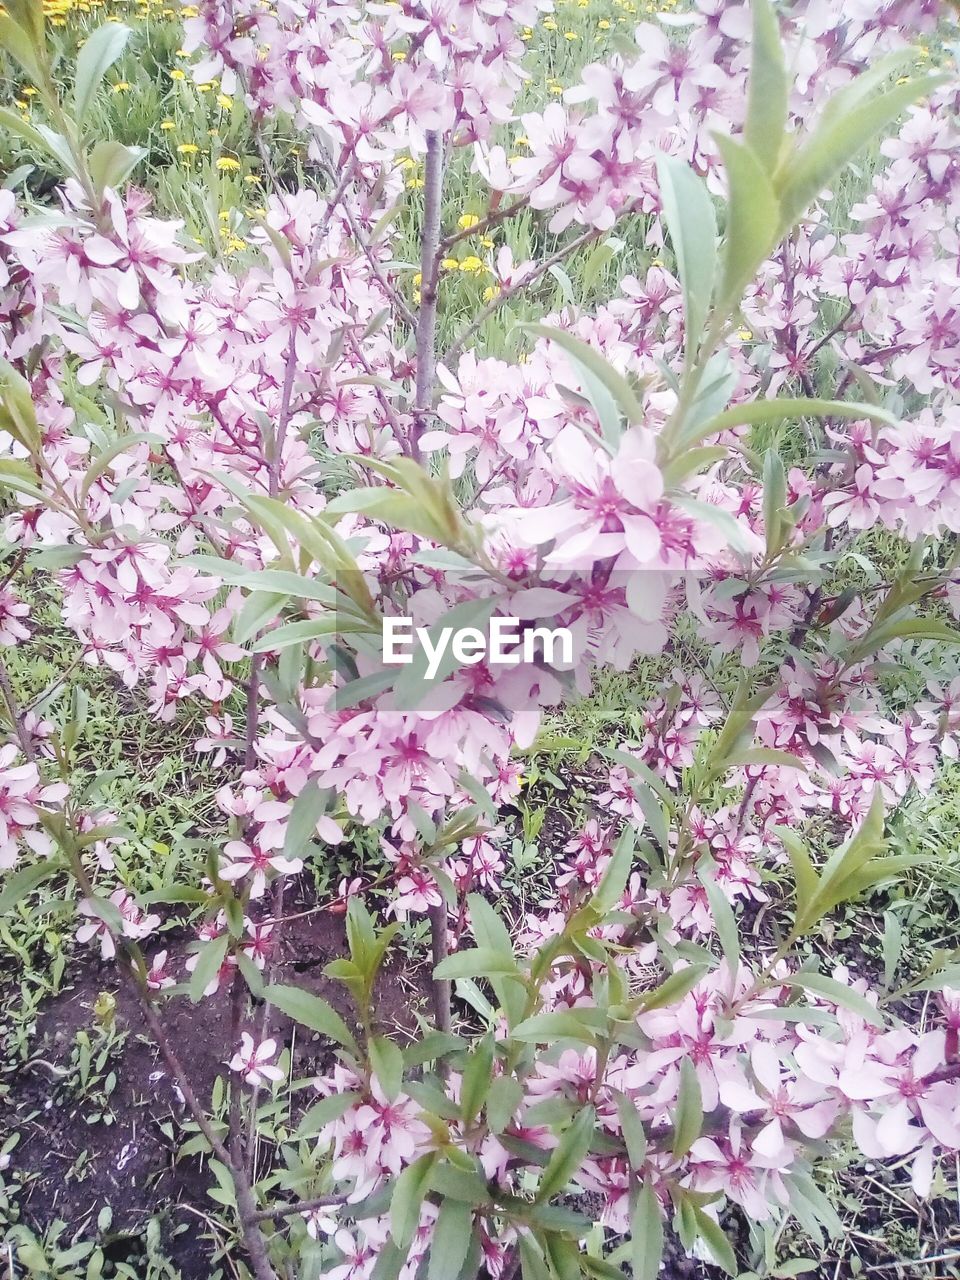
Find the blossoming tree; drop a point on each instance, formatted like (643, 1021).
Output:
(232, 477)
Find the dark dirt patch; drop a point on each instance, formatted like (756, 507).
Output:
(77, 1156)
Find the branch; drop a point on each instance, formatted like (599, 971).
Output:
(429, 275)
(491, 220)
(506, 294)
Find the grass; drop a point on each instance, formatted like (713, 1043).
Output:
(203, 165)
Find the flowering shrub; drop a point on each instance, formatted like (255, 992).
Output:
(233, 477)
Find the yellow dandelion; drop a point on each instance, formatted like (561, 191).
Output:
(570, 35)
(414, 184)
(526, 34)
(224, 215)
(467, 220)
(29, 91)
(603, 24)
(251, 178)
(473, 265)
(399, 56)
(188, 148)
(556, 88)
(227, 164)
(745, 334)
(166, 125)
(549, 24)
(449, 264)
(182, 53)
(486, 242)
(418, 280)
(121, 86)
(204, 88)
(177, 74)
(224, 102)
(490, 292)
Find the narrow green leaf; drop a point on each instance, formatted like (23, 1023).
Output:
(753, 221)
(688, 1114)
(18, 884)
(841, 134)
(408, 1193)
(819, 984)
(387, 1062)
(691, 221)
(324, 1112)
(723, 916)
(452, 1234)
(476, 962)
(567, 1155)
(646, 1231)
(768, 88)
(475, 1082)
(210, 959)
(313, 1012)
(100, 51)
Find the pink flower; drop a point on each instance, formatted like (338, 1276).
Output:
(252, 1061)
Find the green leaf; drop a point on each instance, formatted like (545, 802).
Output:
(476, 962)
(614, 881)
(804, 874)
(836, 993)
(564, 1255)
(477, 1075)
(673, 988)
(452, 1234)
(325, 1112)
(279, 581)
(753, 221)
(408, 1193)
(17, 414)
(259, 608)
(111, 163)
(774, 499)
(716, 1240)
(532, 1263)
(768, 88)
(723, 916)
(491, 933)
(574, 1024)
(12, 122)
(17, 885)
(101, 463)
(411, 685)
(586, 358)
(646, 1231)
(313, 1012)
(17, 42)
(631, 1126)
(567, 1155)
(309, 805)
(100, 51)
(845, 128)
(387, 1062)
(691, 221)
(210, 960)
(688, 1113)
(504, 1096)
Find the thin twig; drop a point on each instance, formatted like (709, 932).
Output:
(429, 276)
(512, 290)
